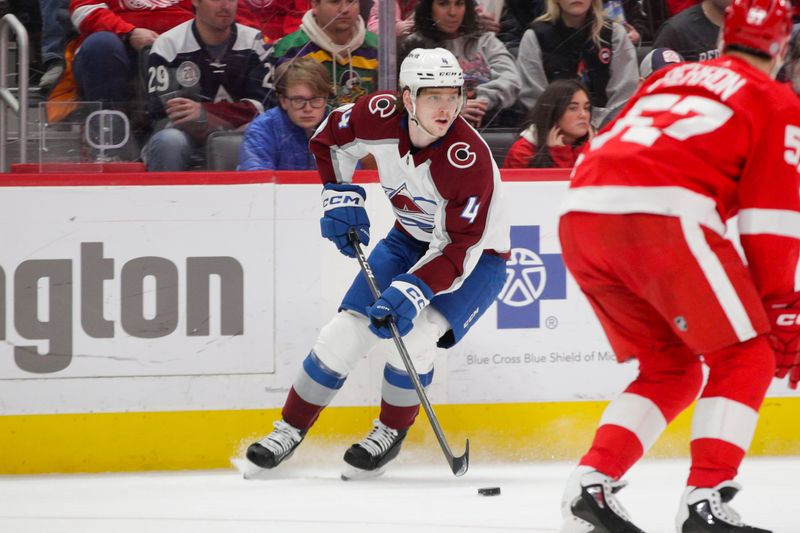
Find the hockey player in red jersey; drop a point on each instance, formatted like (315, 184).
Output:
(642, 233)
(439, 268)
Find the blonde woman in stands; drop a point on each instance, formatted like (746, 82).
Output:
(560, 123)
(574, 40)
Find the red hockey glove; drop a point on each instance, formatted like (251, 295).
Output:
(784, 315)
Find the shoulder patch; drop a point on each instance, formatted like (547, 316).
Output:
(382, 104)
(187, 74)
(460, 155)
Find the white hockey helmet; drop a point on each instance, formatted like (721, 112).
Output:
(430, 67)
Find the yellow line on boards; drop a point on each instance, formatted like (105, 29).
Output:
(119, 442)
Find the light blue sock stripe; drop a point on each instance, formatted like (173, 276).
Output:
(400, 379)
(323, 375)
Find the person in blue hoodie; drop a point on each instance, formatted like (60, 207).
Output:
(278, 138)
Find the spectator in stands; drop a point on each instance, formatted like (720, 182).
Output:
(491, 80)
(403, 15)
(673, 7)
(204, 75)
(573, 40)
(791, 68)
(630, 14)
(693, 33)
(655, 60)
(515, 20)
(560, 123)
(333, 33)
(275, 18)
(54, 40)
(111, 36)
(278, 139)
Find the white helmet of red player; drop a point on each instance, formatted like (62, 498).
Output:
(430, 68)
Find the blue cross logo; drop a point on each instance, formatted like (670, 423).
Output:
(530, 278)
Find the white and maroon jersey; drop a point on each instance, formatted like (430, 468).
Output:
(704, 142)
(447, 194)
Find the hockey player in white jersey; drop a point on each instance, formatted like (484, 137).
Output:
(439, 268)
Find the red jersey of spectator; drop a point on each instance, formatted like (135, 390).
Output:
(676, 6)
(523, 151)
(123, 16)
(275, 18)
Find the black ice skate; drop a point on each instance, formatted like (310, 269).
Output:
(706, 510)
(369, 457)
(589, 504)
(279, 445)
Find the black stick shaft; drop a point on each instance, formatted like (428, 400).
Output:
(460, 464)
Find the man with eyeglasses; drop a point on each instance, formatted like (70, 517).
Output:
(278, 139)
(204, 75)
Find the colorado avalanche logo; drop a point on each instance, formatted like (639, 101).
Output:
(460, 156)
(382, 104)
(140, 5)
(411, 211)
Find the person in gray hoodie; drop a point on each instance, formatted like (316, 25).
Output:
(490, 75)
(573, 40)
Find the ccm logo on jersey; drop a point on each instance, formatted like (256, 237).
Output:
(382, 105)
(788, 319)
(460, 155)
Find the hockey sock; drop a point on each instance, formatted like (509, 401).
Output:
(726, 414)
(312, 391)
(399, 401)
(668, 381)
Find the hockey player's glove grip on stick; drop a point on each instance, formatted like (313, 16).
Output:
(458, 465)
(343, 204)
(402, 301)
(784, 315)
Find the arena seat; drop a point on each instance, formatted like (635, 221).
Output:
(499, 141)
(222, 150)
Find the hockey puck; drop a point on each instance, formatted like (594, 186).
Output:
(489, 491)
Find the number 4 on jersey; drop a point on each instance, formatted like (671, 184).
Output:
(471, 210)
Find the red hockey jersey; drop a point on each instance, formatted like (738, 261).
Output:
(122, 16)
(704, 142)
(447, 194)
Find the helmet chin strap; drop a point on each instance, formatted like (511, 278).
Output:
(412, 117)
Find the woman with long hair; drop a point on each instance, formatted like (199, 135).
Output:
(491, 79)
(557, 128)
(573, 40)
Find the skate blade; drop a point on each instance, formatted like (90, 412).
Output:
(352, 473)
(253, 471)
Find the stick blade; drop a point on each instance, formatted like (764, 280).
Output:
(460, 465)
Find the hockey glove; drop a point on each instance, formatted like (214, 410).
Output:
(402, 301)
(343, 204)
(784, 315)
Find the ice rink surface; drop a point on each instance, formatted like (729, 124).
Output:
(410, 498)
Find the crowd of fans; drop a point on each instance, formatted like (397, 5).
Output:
(556, 70)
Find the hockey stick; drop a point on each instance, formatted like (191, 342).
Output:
(460, 464)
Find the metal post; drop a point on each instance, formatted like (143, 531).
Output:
(19, 106)
(387, 48)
